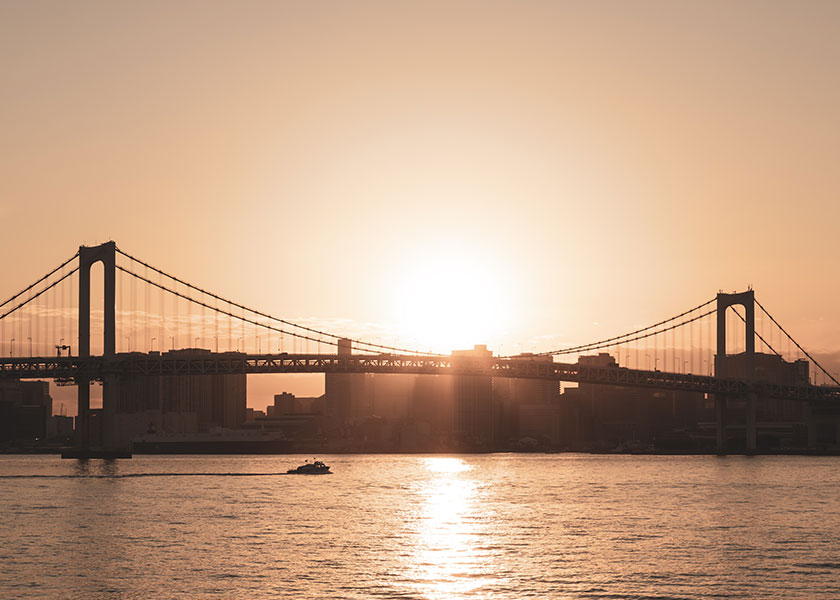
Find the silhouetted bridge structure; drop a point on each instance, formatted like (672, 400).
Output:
(39, 314)
(98, 368)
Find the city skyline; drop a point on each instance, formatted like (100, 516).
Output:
(151, 314)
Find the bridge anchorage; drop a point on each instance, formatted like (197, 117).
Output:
(144, 307)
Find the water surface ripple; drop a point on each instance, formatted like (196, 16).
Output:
(395, 526)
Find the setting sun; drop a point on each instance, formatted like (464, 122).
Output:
(450, 298)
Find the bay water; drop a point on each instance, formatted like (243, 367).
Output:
(411, 526)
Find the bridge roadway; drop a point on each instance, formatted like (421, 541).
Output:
(70, 368)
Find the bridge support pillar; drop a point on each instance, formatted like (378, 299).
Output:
(720, 422)
(88, 256)
(82, 433)
(724, 368)
(110, 399)
(751, 426)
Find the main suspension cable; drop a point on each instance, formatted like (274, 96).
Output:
(594, 346)
(244, 319)
(601, 344)
(370, 345)
(758, 335)
(805, 352)
(31, 298)
(23, 291)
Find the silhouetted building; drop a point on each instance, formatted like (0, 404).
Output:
(230, 396)
(605, 417)
(25, 409)
(179, 403)
(529, 391)
(780, 423)
(252, 414)
(538, 426)
(304, 429)
(528, 407)
(60, 428)
(284, 404)
(347, 395)
(774, 369)
(476, 408)
(289, 404)
(432, 411)
(391, 395)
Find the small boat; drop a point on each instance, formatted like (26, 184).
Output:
(310, 468)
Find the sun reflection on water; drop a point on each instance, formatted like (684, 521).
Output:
(441, 464)
(446, 560)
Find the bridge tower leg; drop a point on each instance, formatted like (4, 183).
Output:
(723, 369)
(720, 423)
(752, 400)
(88, 256)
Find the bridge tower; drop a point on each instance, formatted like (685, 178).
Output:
(724, 301)
(88, 256)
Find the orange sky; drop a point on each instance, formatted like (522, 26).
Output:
(575, 168)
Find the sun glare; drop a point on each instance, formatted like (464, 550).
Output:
(447, 560)
(450, 300)
(446, 464)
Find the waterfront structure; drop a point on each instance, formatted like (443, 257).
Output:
(347, 395)
(25, 410)
(529, 410)
(171, 404)
(284, 404)
(602, 417)
(60, 428)
(391, 395)
(476, 407)
(776, 423)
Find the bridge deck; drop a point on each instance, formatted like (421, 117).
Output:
(71, 368)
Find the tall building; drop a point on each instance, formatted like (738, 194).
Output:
(606, 417)
(347, 395)
(528, 407)
(284, 404)
(774, 369)
(529, 391)
(391, 395)
(179, 403)
(25, 410)
(432, 409)
(476, 408)
(780, 423)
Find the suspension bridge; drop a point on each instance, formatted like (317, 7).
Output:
(46, 333)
